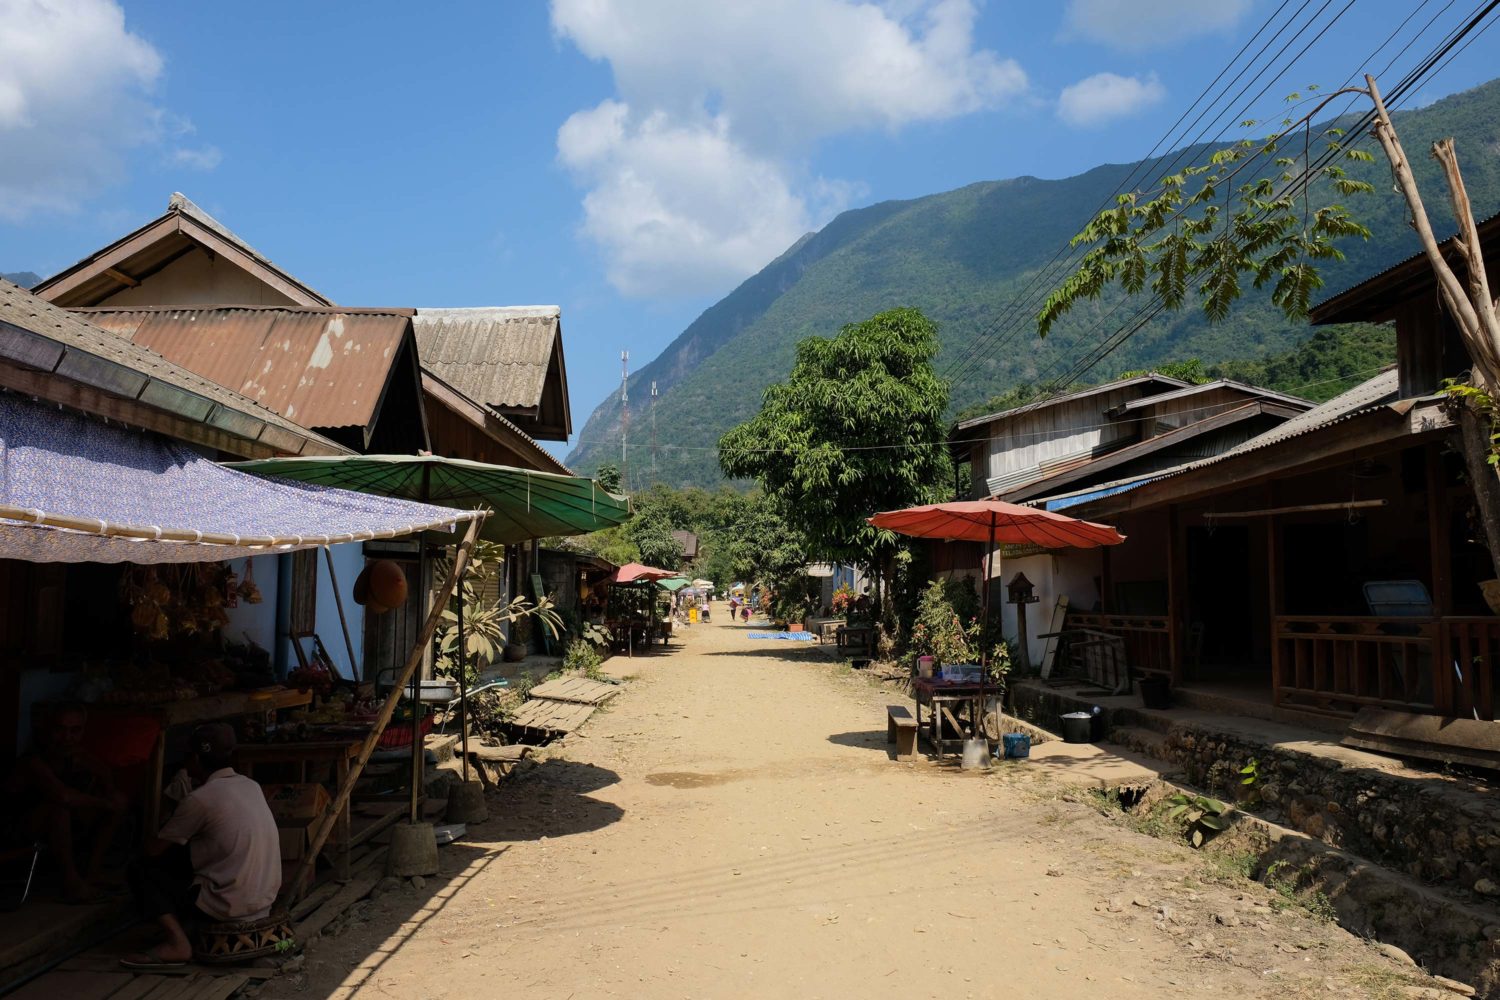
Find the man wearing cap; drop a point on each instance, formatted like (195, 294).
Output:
(232, 867)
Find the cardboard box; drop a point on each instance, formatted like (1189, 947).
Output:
(296, 807)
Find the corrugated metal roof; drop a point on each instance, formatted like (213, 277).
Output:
(1078, 394)
(496, 355)
(322, 367)
(1329, 310)
(1223, 383)
(1364, 398)
(22, 309)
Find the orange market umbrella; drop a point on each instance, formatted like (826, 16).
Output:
(996, 521)
(633, 572)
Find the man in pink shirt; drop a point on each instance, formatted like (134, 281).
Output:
(231, 868)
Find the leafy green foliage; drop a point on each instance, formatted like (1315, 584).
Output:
(962, 257)
(484, 621)
(651, 531)
(582, 656)
(1190, 371)
(608, 476)
(1204, 816)
(820, 445)
(1249, 214)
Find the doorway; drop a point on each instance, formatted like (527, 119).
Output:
(1221, 634)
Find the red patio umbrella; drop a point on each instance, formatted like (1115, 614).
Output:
(631, 572)
(996, 521)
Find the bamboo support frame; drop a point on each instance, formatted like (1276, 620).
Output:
(94, 526)
(387, 710)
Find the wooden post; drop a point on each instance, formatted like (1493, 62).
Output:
(1176, 591)
(1437, 534)
(1276, 603)
(387, 709)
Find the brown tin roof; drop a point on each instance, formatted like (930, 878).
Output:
(500, 356)
(71, 347)
(322, 367)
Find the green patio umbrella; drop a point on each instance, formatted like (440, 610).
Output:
(523, 504)
(674, 584)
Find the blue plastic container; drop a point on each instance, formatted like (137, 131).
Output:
(1017, 745)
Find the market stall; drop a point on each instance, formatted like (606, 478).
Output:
(129, 535)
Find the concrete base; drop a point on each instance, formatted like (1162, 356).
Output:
(413, 851)
(466, 803)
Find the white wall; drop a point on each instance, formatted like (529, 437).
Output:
(259, 620)
(1071, 573)
(196, 279)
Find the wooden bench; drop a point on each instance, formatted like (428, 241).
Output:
(901, 729)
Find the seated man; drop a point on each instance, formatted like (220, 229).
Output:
(231, 870)
(66, 795)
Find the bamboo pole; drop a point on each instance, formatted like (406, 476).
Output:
(95, 526)
(388, 709)
(333, 578)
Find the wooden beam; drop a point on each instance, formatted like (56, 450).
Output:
(1374, 432)
(1277, 601)
(121, 277)
(1298, 509)
(1177, 590)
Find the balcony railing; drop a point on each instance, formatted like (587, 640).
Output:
(1338, 665)
(1148, 638)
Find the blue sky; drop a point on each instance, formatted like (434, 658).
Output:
(628, 160)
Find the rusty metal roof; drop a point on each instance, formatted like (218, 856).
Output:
(496, 355)
(90, 353)
(322, 367)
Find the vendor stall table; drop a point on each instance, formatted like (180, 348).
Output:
(941, 697)
(339, 751)
(211, 708)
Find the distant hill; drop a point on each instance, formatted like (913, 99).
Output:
(960, 256)
(23, 278)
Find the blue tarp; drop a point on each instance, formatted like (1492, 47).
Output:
(794, 636)
(61, 463)
(1063, 503)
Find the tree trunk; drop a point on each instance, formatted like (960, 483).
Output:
(1483, 477)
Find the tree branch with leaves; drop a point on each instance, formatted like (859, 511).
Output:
(1252, 213)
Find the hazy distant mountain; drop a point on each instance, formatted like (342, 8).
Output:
(23, 278)
(960, 256)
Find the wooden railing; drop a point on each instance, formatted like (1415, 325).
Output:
(1338, 665)
(1148, 638)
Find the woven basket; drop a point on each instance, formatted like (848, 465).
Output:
(239, 941)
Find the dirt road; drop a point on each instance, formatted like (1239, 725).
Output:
(733, 826)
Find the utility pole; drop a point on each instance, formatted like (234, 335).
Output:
(653, 430)
(624, 418)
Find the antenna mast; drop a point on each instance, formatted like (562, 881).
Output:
(624, 417)
(653, 430)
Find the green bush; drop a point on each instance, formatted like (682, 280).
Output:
(582, 657)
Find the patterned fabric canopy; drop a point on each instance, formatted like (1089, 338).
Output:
(133, 496)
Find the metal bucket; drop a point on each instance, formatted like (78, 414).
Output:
(1077, 727)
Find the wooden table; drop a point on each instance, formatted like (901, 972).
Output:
(210, 708)
(941, 697)
(339, 751)
(861, 635)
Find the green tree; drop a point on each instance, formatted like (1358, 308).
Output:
(608, 477)
(857, 428)
(651, 531)
(1266, 212)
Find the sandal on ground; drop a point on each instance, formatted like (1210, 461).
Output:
(150, 961)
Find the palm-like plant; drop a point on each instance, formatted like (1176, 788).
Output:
(485, 621)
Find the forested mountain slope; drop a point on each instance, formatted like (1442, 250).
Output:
(961, 256)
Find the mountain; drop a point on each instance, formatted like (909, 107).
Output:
(23, 278)
(961, 257)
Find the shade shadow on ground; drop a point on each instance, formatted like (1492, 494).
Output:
(551, 800)
(871, 739)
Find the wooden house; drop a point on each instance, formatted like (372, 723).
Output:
(1324, 566)
(1076, 444)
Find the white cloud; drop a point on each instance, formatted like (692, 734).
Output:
(693, 171)
(679, 208)
(203, 158)
(1105, 97)
(74, 86)
(1136, 25)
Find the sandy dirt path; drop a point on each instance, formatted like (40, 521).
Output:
(733, 826)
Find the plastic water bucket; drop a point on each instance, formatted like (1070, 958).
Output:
(1017, 745)
(1077, 727)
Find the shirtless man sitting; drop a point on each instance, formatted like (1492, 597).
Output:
(67, 795)
(217, 859)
